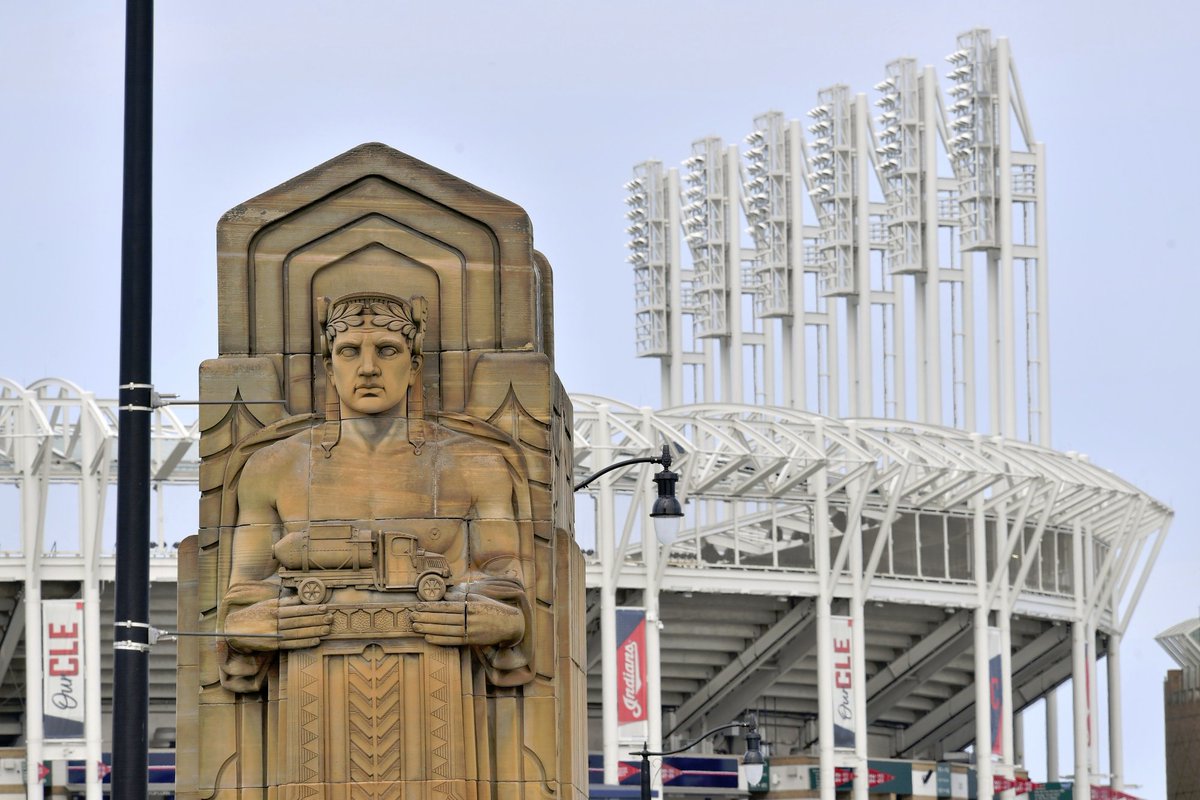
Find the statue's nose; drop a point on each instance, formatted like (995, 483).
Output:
(367, 366)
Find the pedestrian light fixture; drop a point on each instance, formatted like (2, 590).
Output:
(752, 759)
(667, 512)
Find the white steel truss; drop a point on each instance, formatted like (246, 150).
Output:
(781, 503)
(871, 511)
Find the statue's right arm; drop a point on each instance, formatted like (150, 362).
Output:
(254, 603)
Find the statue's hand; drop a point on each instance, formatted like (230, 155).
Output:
(478, 621)
(286, 623)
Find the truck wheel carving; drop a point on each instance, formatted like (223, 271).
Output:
(431, 587)
(311, 591)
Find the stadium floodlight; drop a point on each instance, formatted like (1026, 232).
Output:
(636, 183)
(754, 137)
(962, 104)
(960, 90)
(959, 73)
(885, 84)
(754, 152)
(963, 122)
(820, 127)
(823, 142)
(958, 56)
(820, 112)
(693, 162)
(635, 200)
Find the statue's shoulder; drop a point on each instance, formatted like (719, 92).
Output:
(460, 434)
(273, 450)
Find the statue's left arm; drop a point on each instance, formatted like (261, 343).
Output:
(489, 609)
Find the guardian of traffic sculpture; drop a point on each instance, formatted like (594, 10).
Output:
(385, 558)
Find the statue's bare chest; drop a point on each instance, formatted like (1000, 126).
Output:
(353, 484)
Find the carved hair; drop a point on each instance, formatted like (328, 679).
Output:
(409, 318)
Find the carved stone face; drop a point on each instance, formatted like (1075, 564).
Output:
(372, 370)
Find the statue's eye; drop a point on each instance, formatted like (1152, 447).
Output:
(387, 351)
(347, 351)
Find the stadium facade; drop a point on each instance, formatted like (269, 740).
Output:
(851, 317)
(882, 556)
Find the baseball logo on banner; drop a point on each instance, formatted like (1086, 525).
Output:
(841, 631)
(631, 666)
(62, 669)
(996, 691)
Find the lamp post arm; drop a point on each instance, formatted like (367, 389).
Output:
(646, 753)
(664, 459)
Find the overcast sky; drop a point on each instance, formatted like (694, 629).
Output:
(550, 105)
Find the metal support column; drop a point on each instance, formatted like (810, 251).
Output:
(33, 461)
(824, 623)
(858, 666)
(1116, 747)
(929, 284)
(1004, 622)
(650, 556)
(731, 346)
(858, 305)
(1079, 673)
(796, 367)
(673, 380)
(983, 706)
(1052, 735)
(606, 548)
(1043, 296)
(1005, 305)
(93, 489)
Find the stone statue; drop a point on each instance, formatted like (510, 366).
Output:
(385, 560)
(364, 498)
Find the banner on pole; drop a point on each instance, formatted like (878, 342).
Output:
(841, 631)
(996, 691)
(632, 701)
(62, 670)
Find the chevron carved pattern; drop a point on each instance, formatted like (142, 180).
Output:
(373, 715)
(310, 728)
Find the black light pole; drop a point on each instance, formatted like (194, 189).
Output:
(752, 760)
(132, 618)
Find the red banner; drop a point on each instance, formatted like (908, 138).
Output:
(631, 666)
(845, 775)
(1018, 785)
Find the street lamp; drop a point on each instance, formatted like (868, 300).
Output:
(752, 760)
(667, 512)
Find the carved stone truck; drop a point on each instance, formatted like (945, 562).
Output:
(336, 556)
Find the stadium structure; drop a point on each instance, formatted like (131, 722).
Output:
(882, 557)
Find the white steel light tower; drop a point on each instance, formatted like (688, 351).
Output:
(924, 313)
(653, 215)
